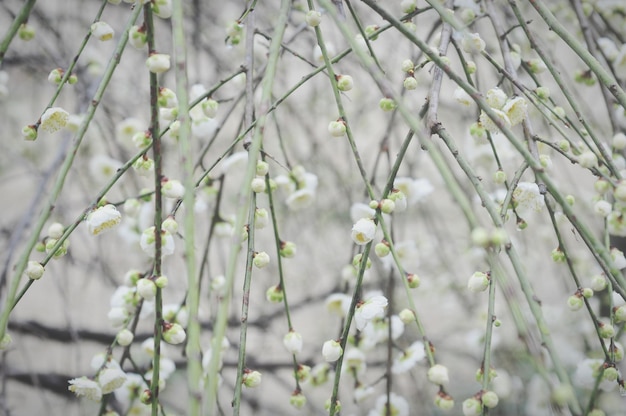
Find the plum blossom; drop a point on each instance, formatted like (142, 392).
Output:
(373, 307)
(408, 358)
(363, 231)
(331, 350)
(54, 119)
(83, 386)
(102, 219)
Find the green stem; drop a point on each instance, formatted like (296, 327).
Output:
(21, 17)
(192, 350)
(253, 154)
(65, 168)
(158, 212)
(245, 306)
(581, 50)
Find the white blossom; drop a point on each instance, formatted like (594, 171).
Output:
(85, 387)
(102, 31)
(102, 219)
(363, 231)
(472, 43)
(147, 242)
(515, 110)
(373, 307)
(103, 167)
(496, 98)
(293, 342)
(331, 350)
(462, 97)
(354, 362)
(173, 333)
(111, 379)
(54, 119)
(338, 304)
(300, 199)
(158, 63)
(407, 359)
(527, 198)
(438, 374)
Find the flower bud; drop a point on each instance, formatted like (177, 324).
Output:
(61, 251)
(258, 185)
(210, 107)
(543, 93)
(499, 236)
(297, 399)
(438, 374)
(382, 249)
(499, 177)
(142, 139)
(288, 249)
(558, 256)
(407, 316)
(146, 288)
(610, 374)
(26, 32)
(620, 313)
(480, 237)
(588, 160)
(170, 225)
(137, 37)
(172, 188)
(262, 168)
(387, 206)
(472, 407)
(124, 337)
(261, 259)
(34, 270)
(606, 330)
(337, 128)
(444, 401)
(173, 333)
(472, 43)
(331, 350)
(478, 282)
(490, 399)
(470, 67)
(161, 281)
(356, 261)
(387, 104)
(29, 132)
(413, 280)
(344, 82)
(598, 283)
(293, 342)
(145, 397)
(407, 66)
(275, 294)
(55, 76)
(619, 141)
(251, 378)
(158, 63)
(575, 302)
(313, 18)
(408, 6)
(102, 31)
(410, 83)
